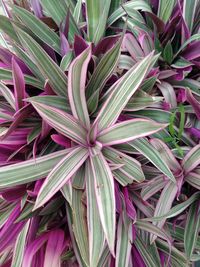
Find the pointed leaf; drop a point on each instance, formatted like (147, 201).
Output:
(76, 86)
(39, 28)
(192, 159)
(128, 130)
(50, 70)
(20, 245)
(60, 174)
(191, 232)
(8, 95)
(130, 167)
(95, 232)
(121, 92)
(62, 122)
(30, 170)
(104, 190)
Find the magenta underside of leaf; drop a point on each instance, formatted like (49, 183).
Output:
(99, 133)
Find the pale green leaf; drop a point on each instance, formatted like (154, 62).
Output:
(104, 190)
(51, 71)
(95, 231)
(30, 170)
(39, 28)
(61, 174)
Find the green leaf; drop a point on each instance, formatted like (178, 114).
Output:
(80, 225)
(190, 84)
(7, 27)
(20, 245)
(141, 100)
(176, 210)
(95, 231)
(191, 232)
(60, 175)
(142, 247)
(39, 28)
(104, 190)
(124, 241)
(58, 11)
(168, 53)
(62, 122)
(77, 11)
(194, 37)
(66, 61)
(134, 4)
(6, 75)
(53, 101)
(97, 14)
(165, 9)
(174, 253)
(129, 170)
(7, 94)
(189, 9)
(128, 130)
(192, 159)
(121, 92)
(164, 204)
(51, 71)
(29, 170)
(76, 86)
(100, 76)
(144, 147)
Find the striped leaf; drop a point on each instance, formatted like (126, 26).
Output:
(96, 235)
(39, 28)
(165, 9)
(144, 147)
(80, 225)
(51, 71)
(76, 86)
(6, 75)
(97, 14)
(30, 170)
(61, 122)
(134, 4)
(7, 94)
(20, 245)
(191, 232)
(102, 72)
(128, 130)
(130, 169)
(60, 175)
(124, 240)
(193, 178)
(165, 202)
(143, 249)
(121, 92)
(104, 190)
(58, 11)
(192, 159)
(189, 8)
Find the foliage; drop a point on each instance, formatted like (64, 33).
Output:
(99, 133)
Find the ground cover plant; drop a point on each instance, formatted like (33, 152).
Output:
(99, 133)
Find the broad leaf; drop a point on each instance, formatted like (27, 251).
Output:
(165, 9)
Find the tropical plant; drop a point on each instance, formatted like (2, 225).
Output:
(99, 133)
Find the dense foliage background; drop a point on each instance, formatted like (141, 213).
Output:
(99, 133)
